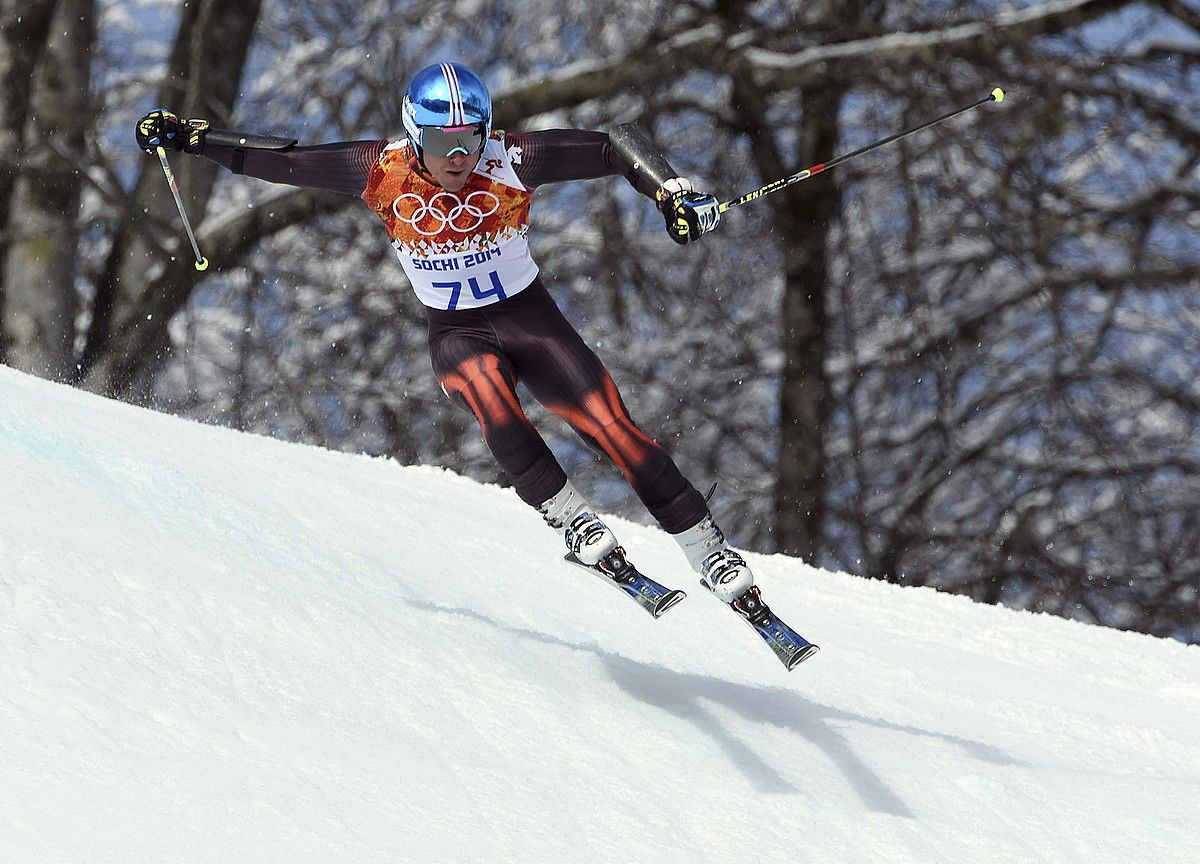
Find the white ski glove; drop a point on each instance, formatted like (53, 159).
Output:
(688, 213)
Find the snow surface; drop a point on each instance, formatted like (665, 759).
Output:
(216, 647)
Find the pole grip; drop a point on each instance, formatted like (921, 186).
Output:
(638, 150)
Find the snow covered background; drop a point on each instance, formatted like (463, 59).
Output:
(216, 647)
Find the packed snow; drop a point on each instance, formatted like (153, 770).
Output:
(216, 647)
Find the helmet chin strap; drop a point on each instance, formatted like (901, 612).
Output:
(420, 151)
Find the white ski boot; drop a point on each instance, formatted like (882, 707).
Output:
(722, 570)
(587, 538)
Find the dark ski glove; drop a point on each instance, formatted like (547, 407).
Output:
(688, 214)
(161, 128)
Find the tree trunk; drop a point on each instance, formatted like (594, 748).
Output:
(24, 25)
(128, 341)
(41, 300)
(803, 215)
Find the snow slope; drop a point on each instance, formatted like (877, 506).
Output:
(216, 647)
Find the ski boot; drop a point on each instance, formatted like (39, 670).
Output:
(592, 546)
(722, 570)
(587, 538)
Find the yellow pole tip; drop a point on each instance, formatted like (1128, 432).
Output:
(998, 95)
(202, 264)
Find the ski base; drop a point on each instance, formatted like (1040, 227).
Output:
(617, 571)
(790, 647)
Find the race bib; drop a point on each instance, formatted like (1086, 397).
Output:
(460, 250)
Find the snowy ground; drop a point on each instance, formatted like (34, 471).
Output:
(220, 648)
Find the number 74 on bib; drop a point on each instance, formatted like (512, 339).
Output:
(497, 290)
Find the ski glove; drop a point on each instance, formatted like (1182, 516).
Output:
(688, 213)
(161, 128)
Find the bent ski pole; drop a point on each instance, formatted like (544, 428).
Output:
(201, 261)
(997, 95)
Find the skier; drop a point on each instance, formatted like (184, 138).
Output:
(454, 197)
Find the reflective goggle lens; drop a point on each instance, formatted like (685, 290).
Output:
(448, 140)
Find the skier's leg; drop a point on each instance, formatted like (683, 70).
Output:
(568, 378)
(603, 421)
(478, 377)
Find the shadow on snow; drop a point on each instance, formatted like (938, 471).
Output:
(686, 696)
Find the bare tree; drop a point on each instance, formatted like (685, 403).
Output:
(39, 315)
(133, 299)
(23, 30)
(993, 428)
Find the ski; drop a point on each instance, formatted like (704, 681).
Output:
(615, 569)
(790, 647)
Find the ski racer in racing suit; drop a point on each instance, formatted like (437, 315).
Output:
(454, 198)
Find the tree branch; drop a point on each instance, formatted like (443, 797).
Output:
(790, 70)
(579, 82)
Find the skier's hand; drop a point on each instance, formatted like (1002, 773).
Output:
(688, 213)
(161, 128)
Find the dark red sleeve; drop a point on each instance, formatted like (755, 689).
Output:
(556, 155)
(341, 167)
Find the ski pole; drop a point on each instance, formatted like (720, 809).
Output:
(201, 261)
(997, 95)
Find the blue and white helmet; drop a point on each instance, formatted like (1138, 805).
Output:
(446, 95)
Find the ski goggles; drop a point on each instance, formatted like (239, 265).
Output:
(445, 141)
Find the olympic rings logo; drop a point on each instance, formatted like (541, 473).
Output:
(457, 215)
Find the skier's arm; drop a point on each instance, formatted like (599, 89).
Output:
(688, 214)
(559, 155)
(556, 155)
(339, 167)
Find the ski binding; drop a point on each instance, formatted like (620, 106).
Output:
(790, 647)
(615, 569)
